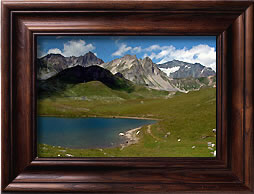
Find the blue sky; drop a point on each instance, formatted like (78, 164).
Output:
(160, 49)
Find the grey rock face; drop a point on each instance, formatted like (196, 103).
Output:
(52, 64)
(180, 69)
(140, 71)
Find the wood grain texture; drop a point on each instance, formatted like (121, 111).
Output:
(225, 91)
(204, 163)
(159, 5)
(6, 96)
(231, 170)
(219, 107)
(127, 188)
(22, 111)
(249, 80)
(237, 96)
(127, 176)
(128, 23)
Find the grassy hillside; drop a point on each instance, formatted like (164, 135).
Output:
(189, 117)
(66, 79)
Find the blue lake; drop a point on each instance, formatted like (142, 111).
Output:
(85, 132)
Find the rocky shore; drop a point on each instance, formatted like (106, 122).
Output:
(131, 137)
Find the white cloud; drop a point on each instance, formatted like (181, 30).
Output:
(152, 48)
(136, 49)
(72, 48)
(151, 56)
(202, 53)
(54, 51)
(77, 48)
(145, 55)
(122, 50)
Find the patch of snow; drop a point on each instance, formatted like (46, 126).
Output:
(186, 66)
(170, 70)
(203, 70)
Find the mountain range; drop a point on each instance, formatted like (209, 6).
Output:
(140, 71)
(52, 64)
(180, 69)
(171, 76)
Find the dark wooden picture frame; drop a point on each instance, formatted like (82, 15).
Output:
(232, 23)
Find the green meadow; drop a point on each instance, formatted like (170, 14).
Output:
(184, 127)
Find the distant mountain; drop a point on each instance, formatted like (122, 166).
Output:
(52, 64)
(140, 71)
(79, 74)
(191, 83)
(180, 69)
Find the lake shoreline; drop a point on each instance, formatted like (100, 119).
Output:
(131, 138)
(126, 135)
(110, 117)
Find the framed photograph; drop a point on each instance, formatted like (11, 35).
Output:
(127, 96)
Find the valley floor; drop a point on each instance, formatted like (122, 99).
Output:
(184, 128)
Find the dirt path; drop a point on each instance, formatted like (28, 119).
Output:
(150, 133)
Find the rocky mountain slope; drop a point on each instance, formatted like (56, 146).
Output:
(180, 69)
(171, 76)
(140, 71)
(52, 64)
(191, 83)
